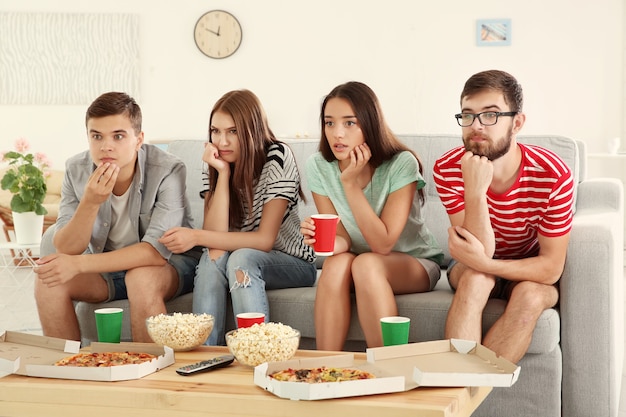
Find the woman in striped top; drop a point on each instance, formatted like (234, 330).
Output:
(510, 207)
(251, 228)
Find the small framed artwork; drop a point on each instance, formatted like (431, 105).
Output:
(493, 32)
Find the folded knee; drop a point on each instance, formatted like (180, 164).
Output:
(475, 282)
(533, 297)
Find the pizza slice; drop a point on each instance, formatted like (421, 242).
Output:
(321, 375)
(105, 359)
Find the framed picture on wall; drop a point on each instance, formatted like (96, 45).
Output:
(493, 32)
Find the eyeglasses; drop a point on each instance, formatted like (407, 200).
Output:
(486, 118)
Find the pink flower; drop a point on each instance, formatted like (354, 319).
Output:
(25, 179)
(2, 156)
(43, 160)
(22, 145)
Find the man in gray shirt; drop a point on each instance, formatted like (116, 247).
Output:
(117, 200)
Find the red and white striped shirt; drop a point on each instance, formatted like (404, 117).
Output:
(540, 201)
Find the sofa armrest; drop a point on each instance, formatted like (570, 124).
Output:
(600, 194)
(591, 303)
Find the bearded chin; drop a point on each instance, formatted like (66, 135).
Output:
(491, 152)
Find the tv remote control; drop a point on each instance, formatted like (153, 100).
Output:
(205, 366)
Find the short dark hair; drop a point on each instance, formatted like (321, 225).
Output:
(114, 103)
(498, 81)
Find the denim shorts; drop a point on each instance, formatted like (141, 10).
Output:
(185, 264)
(432, 269)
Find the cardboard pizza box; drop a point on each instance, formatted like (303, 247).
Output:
(383, 383)
(446, 363)
(442, 363)
(33, 355)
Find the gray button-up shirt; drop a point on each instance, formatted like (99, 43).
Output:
(157, 201)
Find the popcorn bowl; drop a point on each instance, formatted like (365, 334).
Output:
(180, 331)
(264, 342)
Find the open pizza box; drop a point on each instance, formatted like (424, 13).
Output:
(33, 355)
(383, 383)
(442, 363)
(446, 363)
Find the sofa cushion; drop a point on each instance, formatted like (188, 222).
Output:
(294, 306)
(428, 312)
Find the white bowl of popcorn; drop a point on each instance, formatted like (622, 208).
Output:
(265, 342)
(180, 331)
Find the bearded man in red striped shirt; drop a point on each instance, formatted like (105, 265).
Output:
(510, 209)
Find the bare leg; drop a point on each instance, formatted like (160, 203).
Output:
(56, 308)
(332, 302)
(148, 288)
(512, 333)
(377, 278)
(464, 319)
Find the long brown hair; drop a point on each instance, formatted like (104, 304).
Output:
(383, 143)
(255, 138)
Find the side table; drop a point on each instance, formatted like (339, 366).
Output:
(17, 301)
(22, 253)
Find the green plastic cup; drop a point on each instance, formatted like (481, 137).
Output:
(109, 324)
(395, 330)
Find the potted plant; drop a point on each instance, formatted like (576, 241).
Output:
(25, 179)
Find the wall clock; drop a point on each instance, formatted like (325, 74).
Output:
(217, 34)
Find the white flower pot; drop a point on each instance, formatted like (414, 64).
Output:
(28, 227)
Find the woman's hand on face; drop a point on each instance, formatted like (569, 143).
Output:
(211, 156)
(307, 228)
(359, 158)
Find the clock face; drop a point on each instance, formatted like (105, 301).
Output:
(217, 34)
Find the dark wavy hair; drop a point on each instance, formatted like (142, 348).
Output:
(383, 143)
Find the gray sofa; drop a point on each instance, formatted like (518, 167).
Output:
(574, 364)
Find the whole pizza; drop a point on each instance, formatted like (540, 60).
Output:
(105, 359)
(323, 374)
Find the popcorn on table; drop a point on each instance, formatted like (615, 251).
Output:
(265, 342)
(179, 330)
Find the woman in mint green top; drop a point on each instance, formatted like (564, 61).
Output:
(374, 183)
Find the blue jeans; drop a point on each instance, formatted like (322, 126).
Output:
(261, 270)
(183, 263)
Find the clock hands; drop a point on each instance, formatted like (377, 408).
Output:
(214, 32)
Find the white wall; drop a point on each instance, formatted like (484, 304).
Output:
(416, 55)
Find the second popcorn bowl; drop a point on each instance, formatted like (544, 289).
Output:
(265, 342)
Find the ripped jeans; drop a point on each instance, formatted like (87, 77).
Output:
(259, 271)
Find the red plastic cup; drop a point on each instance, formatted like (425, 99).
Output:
(248, 319)
(325, 232)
